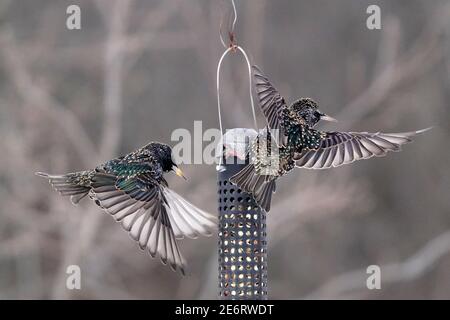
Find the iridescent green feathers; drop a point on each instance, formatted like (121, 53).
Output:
(133, 190)
(300, 145)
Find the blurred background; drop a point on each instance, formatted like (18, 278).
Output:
(137, 70)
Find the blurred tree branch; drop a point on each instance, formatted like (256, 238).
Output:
(410, 269)
(422, 55)
(112, 129)
(36, 97)
(36, 57)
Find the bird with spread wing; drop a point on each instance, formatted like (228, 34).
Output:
(133, 190)
(299, 145)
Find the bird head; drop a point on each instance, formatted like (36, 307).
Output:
(166, 158)
(306, 110)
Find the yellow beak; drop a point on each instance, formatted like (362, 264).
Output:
(328, 118)
(179, 173)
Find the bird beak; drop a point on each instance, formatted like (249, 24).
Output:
(178, 172)
(327, 118)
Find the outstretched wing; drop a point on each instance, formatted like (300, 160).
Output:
(339, 148)
(270, 100)
(153, 215)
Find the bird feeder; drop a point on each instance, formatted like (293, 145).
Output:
(242, 222)
(242, 240)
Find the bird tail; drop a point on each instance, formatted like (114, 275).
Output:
(260, 186)
(75, 185)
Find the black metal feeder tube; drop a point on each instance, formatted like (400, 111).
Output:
(242, 241)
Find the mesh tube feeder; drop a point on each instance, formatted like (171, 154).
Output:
(242, 247)
(242, 240)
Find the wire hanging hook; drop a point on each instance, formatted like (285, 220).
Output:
(249, 68)
(255, 123)
(233, 47)
(231, 35)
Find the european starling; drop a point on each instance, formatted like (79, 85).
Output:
(133, 190)
(300, 145)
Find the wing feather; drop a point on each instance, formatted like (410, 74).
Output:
(339, 148)
(270, 100)
(153, 215)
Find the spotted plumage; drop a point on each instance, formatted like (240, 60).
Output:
(300, 145)
(133, 190)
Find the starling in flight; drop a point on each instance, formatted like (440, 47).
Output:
(291, 130)
(133, 190)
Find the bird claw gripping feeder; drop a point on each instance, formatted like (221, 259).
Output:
(242, 222)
